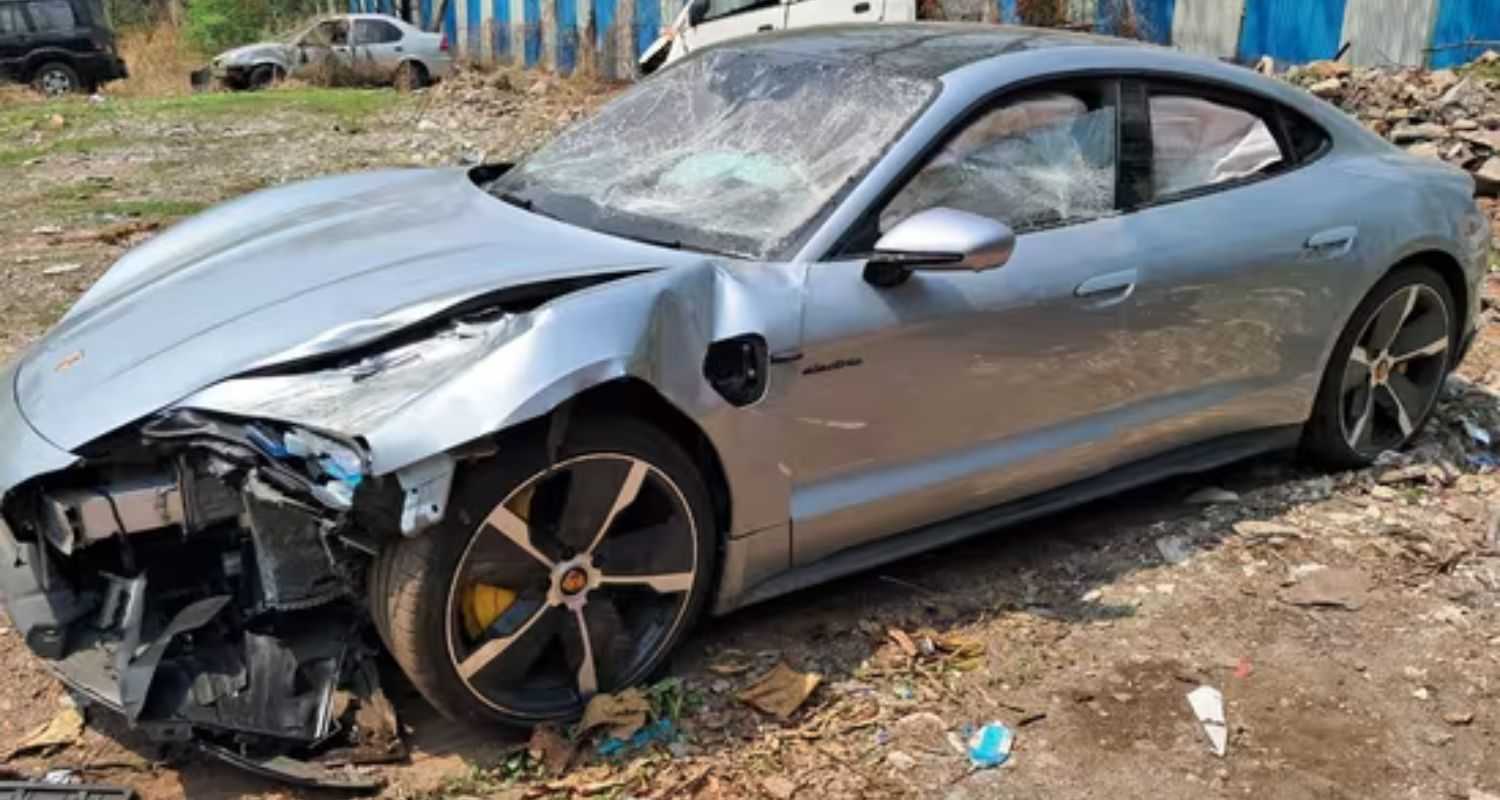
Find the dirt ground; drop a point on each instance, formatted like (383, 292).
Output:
(1084, 631)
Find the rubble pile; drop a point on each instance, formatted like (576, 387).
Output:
(1444, 114)
(501, 114)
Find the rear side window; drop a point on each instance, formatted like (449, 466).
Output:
(52, 15)
(374, 31)
(11, 21)
(1197, 142)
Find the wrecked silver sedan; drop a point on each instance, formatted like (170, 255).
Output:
(872, 290)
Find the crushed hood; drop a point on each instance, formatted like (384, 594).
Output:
(303, 270)
(256, 54)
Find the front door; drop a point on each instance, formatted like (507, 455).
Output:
(729, 19)
(953, 392)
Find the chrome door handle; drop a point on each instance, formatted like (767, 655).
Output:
(765, 28)
(1122, 282)
(1333, 243)
(861, 8)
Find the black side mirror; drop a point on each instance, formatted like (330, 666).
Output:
(697, 10)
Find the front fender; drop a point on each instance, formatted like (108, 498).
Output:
(654, 327)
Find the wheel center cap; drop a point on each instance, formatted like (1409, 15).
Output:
(574, 581)
(1382, 370)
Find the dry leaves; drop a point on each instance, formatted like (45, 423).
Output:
(781, 691)
(623, 714)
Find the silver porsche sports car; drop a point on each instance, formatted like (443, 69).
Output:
(791, 308)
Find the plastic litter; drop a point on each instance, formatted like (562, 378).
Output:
(1208, 707)
(1476, 432)
(990, 746)
(661, 731)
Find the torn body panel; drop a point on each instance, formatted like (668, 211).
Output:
(475, 379)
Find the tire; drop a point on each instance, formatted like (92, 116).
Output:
(1364, 409)
(410, 76)
(55, 79)
(264, 76)
(637, 606)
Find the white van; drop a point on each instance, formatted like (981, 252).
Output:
(704, 22)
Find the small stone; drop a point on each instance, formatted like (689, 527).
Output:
(1093, 595)
(62, 269)
(1487, 177)
(1425, 150)
(1459, 718)
(1438, 738)
(1211, 495)
(1421, 693)
(900, 761)
(1262, 528)
(1175, 549)
(1407, 134)
(1332, 87)
(56, 121)
(778, 787)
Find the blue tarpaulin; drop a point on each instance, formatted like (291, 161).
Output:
(1460, 22)
(1291, 30)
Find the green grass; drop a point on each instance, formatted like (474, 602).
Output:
(351, 107)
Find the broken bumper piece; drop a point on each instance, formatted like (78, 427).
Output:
(209, 587)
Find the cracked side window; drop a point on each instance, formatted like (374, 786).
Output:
(1040, 160)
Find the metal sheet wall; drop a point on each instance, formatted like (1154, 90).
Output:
(1209, 27)
(1386, 32)
(553, 33)
(1464, 30)
(1291, 30)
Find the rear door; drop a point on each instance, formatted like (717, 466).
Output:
(379, 49)
(730, 19)
(1246, 235)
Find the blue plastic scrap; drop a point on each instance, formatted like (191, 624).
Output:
(990, 746)
(662, 731)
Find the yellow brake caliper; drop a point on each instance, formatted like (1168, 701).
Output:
(483, 604)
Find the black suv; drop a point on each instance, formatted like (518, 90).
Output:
(58, 46)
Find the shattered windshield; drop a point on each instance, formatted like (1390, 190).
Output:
(735, 152)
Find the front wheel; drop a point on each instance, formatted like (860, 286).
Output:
(551, 581)
(1387, 370)
(264, 76)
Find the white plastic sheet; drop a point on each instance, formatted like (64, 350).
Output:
(1198, 142)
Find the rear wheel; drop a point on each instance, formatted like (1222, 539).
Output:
(410, 77)
(1386, 371)
(56, 79)
(551, 582)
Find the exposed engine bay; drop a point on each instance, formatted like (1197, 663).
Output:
(204, 576)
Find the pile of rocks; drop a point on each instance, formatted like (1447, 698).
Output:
(1445, 114)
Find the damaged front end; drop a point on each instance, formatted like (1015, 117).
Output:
(204, 577)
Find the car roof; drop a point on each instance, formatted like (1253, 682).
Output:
(927, 50)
